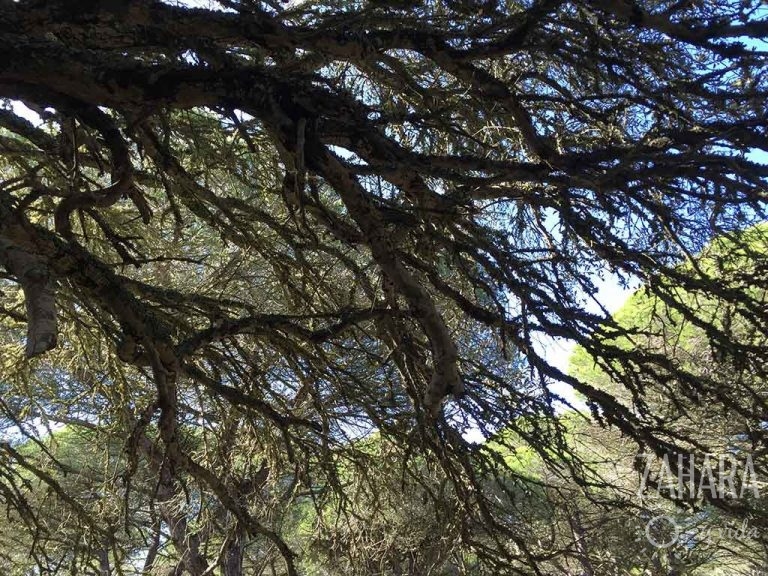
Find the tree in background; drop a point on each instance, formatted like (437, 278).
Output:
(717, 532)
(238, 239)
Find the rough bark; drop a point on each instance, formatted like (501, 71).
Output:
(39, 287)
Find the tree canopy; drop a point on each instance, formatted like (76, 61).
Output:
(239, 240)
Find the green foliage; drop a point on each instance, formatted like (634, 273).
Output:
(692, 340)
